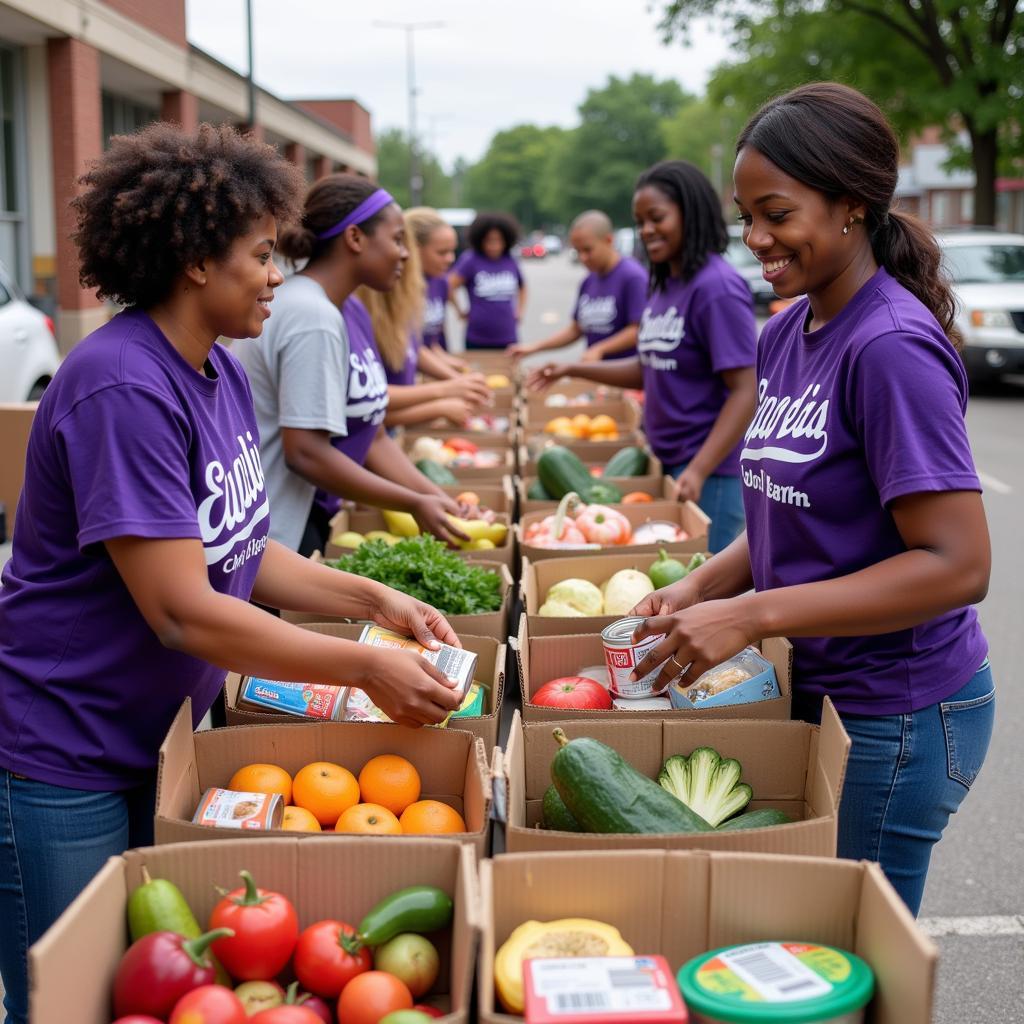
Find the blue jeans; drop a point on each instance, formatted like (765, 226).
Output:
(907, 774)
(722, 501)
(52, 841)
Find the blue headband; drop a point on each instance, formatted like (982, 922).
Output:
(364, 211)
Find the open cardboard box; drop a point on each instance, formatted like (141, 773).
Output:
(683, 903)
(593, 457)
(626, 414)
(493, 624)
(542, 658)
(505, 466)
(687, 515)
(15, 427)
(660, 488)
(490, 670)
(364, 520)
(793, 767)
(72, 966)
(481, 438)
(533, 442)
(452, 766)
(499, 497)
(538, 578)
(575, 388)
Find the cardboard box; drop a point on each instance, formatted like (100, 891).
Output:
(492, 624)
(625, 413)
(452, 766)
(72, 966)
(686, 515)
(793, 767)
(683, 903)
(533, 442)
(576, 389)
(481, 438)
(592, 457)
(488, 474)
(490, 670)
(660, 488)
(15, 427)
(499, 497)
(365, 520)
(542, 658)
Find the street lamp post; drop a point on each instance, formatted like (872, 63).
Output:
(410, 28)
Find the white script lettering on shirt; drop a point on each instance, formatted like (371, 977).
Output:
(497, 287)
(780, 417)
(660, 332)
(367, 387)
(596, 312)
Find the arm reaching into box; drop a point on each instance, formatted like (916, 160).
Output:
(618, 373)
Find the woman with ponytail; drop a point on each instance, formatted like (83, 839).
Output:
(866, 537)
(320, 391)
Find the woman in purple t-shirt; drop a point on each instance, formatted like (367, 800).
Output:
(142, 529)
(866, 538)
(695, 340)
(493, 282)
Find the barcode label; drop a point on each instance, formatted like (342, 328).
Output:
(448, 658)
(600, 985)
(581, 1001)
(774, 973)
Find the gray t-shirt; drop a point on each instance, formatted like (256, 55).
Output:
(298, 369)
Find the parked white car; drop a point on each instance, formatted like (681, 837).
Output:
(987, 268)
(28, 346)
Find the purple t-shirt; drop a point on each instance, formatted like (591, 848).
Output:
(607, 303)
(366, 401)
(406, 375)
(493, 288)
(690, 333)
(129, 440)
(865, 410)
(434, 310)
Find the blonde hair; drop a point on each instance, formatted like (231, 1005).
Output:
(422, 222)
(398, 313)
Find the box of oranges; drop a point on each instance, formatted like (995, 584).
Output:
(335, 778)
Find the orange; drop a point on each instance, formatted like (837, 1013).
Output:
(391, 781)
(325, 789)
(559, 425)
(636, 498)
(603, 424)
(298, 819)
(581, 425)
(431, 817)
(369, 819)
(262, 778)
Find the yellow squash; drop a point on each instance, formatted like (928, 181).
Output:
(401, 524)
(570, 936)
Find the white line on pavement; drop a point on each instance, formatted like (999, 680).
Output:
(937, 927)
(993, 483)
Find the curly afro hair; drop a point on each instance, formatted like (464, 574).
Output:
(486, 222)
(162, 200)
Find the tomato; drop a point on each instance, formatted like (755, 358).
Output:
(287, 1015)
(137, 1018)
(577, 692)
(460, 444)
(321, 963)
(266, 929)
(318, 1006)
(370, 996)
(209, 1004)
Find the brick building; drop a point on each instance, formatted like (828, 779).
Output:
(75, 72)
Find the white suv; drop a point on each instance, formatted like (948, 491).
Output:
(987, 268)
(28, 346)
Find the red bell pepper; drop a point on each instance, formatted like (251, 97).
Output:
(160, 968)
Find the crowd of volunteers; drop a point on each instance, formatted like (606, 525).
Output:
(175, 485)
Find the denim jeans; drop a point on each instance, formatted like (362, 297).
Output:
(52, 841)
(907, 774)
(722, 501)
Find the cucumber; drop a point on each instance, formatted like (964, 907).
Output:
(419, 908)
(436, 473)
(556, 814)
(560, 471)
(602, 492)
(627, 462)
(538, 492)
(763, 818)
(605, 794)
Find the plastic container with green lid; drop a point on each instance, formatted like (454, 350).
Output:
(761, 982)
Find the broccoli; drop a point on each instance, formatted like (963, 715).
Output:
(708, 784)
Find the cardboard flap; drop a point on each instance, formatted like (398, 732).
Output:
(499, 786)
(903, 958)
(826, 783)
(465, 931)
(477, 789)
(514, 773)
(177, 784)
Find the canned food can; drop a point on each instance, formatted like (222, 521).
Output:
(229, 808)
(621, 656)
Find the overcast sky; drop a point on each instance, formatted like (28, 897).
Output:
(494, 64)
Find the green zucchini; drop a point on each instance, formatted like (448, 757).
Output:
(420, 908)
(560, 471)
(556, 814)
(436, 473)
(602, 492)
(627, 462)
(606, 794)
(763, 818)
(538, 492)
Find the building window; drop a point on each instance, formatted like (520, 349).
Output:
(123, 116)
(967, 206)
(312, 165)
(12, 199)
(940, 209)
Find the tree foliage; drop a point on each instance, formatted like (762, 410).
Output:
(393, 171)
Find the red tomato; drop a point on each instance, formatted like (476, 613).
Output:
(287, 1015)
(208, 1004)
(460, 444)
(370, 996)
(321, 963)
(266, 929)
(576, 692)
(137, 1018)
(318, 1006)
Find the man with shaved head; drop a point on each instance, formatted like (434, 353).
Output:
(611, 297)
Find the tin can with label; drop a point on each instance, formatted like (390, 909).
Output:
(228, 808)
(621, 656)
(455, 662)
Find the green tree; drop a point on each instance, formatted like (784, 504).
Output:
(620, 134)
(393, 170)
(704, 133)
(943, 61)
